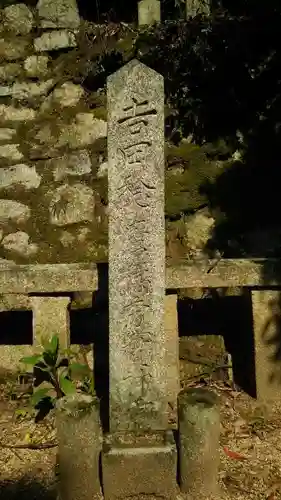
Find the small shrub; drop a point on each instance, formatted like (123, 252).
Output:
(56, 374)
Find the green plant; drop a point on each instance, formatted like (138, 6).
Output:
(57, 374)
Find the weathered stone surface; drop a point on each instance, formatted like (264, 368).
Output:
(6, 263)
(10, 302)
(11, 152)
(74, 164)
(194, 7)
(68, 94)
(18, 18)
(23, 91)
(172, 357)
(5, 91)
(54, 41)
(7, 134)
(144, 469)
(266, 321)
(14, 211)
(71, 204)
(19, 242)
(83, 131)
(58, 14)
(22, 174)
(10, 113)
(10, 356)
(9, 72)
(67, 239)
(199, 229)
(12, 49)
(36, 66)
(48, 278)
(199, 433)
(80, 441)
(50, 317)
(138, 396)
(149, 12)
(221, 273)
(102, 170)
(83, 234)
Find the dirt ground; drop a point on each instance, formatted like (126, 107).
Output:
(250, 447)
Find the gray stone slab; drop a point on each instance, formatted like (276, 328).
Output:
(149, 12)
(139, 469)
(138, 380)
(180, 274)
(46, 278)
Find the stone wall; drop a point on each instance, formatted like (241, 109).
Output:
(53, 158)
(51, 142)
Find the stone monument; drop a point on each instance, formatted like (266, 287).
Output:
(139, 384)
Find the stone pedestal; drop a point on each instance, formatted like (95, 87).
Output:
(133, 466)
(199, 431)
(80, 443)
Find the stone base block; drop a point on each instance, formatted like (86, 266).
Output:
(148, 470)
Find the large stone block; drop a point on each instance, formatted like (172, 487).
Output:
(58, 14)
(55, 40)
(149, 12)
(13, 114)
(142, 466)
(18, 19)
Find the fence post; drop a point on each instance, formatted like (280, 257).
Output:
(50, 317)
(266, 310)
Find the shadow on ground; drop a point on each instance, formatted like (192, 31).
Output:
(26, 489)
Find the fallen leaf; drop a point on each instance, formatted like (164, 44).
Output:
(233, 454)
(272, 496)
(271, 492)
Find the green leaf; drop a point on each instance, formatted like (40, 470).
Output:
(31, 360)
(66, 385)
(39, 395)
(49, 358)
(54, 344)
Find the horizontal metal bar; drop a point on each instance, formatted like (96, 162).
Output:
(52, 278)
